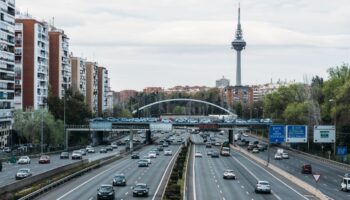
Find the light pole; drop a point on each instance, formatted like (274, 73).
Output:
(335, 124)
(64, 122)
(42, 132)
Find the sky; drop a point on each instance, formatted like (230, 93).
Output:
(187, 42)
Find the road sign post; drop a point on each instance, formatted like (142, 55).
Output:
(276, 135)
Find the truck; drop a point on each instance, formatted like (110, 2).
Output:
(237, 136)
(225, 149)
(280, 151)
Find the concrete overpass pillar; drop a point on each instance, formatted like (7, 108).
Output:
(148, 137)
(131, 139)
(230, 136)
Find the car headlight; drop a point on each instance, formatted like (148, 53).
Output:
(99, 193)
(123, 180)
(111, 193)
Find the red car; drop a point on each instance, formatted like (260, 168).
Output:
(44, 159)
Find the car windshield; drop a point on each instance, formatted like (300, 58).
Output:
(229, 171)
(119, 177)
(64, 153)
(263, 183)
(106, 189)
(24, 157)
(143, 186)
(23, 170)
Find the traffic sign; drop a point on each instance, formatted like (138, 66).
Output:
(276, 134)
(296, 134)
(316, 176)
(324, 134)
(342, 150)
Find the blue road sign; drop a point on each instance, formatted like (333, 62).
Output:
(342, 151)
(296, 134)
(276, 134)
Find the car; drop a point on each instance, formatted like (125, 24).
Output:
(135, 155)
(345, 184)
(217, 144)
(103, 150)
(23, 173)
(160, 148)
(255, 150)
(114, 145)
(105, 191)
(209, 153)
(251, 147)
(278, 156)
(91, 150)
(215, 154)
(140, 189)
(119, 180)
(152, 154)
(285, 155)
(156, 151)
(87, 147)
(23, 160)
(229, 174)
(44, 159)
(198, 154)
(263, 186)
(261, 147)
(83, 152)
(165, 144)
(109, 148)
(208, 145)
(245, 135)
(347, 175)
(76, 155)
(147, 158)
(7, 150)
(64, 155)
(142, 163)
(306, 169)
(168, 152)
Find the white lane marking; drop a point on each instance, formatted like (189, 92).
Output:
(161, 180)
(194, 175)
(91, 198)
(126, 193)
(274, 177)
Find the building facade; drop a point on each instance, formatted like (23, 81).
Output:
(123, 96)
(103, 89)
(78, 73)
(222, 83)
(7, 69)
(92, 86)
(149, 90)
(60, 68)
(32, 64)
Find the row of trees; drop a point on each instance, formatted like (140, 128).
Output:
(28, 124)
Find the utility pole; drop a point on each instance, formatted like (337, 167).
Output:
(42, 132)
(335, 125)
(64, 122)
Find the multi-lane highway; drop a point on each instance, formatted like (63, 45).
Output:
(206, 181)
(86, 186)
(331, 175)
(7, 176)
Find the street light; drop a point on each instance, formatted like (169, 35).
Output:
(335, 124)
(42, 131)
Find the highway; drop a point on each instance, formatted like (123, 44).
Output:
(85, 187)
(206, 180)
(7, 176)
(331, 175)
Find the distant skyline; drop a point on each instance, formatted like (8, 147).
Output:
(179, 42)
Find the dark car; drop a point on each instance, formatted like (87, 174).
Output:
(0, 165)
(103, 150)
(119, 180)
(160, 148)
(251, 147)
(64, 155)
(208, 145)
(165, 144)
(215, 154)
(105, 192)
(44, 159)
(135, 155)
(306, 169)
(23, 173)
(140, 189)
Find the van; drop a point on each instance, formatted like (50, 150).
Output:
(345, 184)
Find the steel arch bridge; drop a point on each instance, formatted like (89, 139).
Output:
(190, 100)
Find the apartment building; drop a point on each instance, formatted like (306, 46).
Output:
(92, 86)
(7, 69)
(103, 89)
(78, 79)
(32, 64)
(60, 68)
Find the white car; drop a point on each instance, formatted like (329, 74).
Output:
(263, 186)
(148, 159)
(114, 146)
(23, 160)
(245, 135)
(168, 152)
(229, 174)
(345, 184)
(278, 156)
(255, 150)
(152, 154)
(91, 150)
(198, 154)
(285, 156)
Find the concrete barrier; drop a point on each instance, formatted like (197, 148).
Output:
(283, 173)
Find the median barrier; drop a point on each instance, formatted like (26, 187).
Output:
(283, 173)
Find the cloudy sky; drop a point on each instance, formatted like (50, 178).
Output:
(187, 42)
